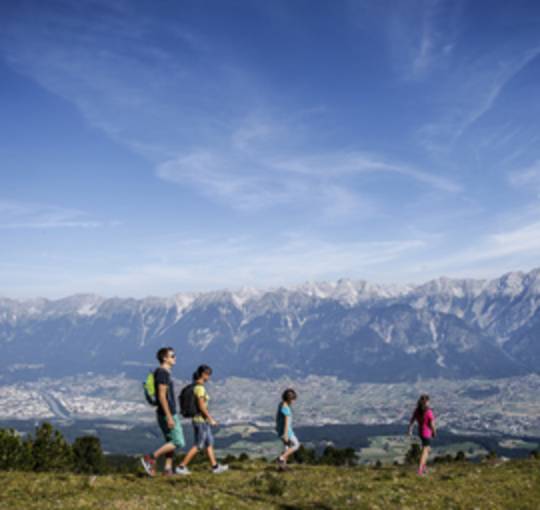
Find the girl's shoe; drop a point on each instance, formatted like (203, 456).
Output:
(220, 468)
(182, 470)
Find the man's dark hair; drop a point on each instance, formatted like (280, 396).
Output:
(163, 353)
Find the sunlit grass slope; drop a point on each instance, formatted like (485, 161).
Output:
(255, 485)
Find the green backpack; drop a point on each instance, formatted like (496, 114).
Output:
(149, 386)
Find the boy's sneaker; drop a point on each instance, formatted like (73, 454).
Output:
(167, 472)
(182, 470)
(149, 465)
(220, 468)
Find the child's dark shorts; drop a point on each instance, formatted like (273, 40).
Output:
(426, 441)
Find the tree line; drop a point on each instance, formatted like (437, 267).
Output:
(48, 450)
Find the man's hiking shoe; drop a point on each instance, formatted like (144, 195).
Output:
(220, 468)
(182, 470)
(149, 465)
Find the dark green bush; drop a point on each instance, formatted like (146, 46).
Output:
(15, 453)
(305, 456)
(460, 456)
(88, 456)
(413, 454)
(50, 451)
(338, 456)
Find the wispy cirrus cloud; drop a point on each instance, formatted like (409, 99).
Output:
(527, 177)
(350, 163)
(25, 215)
(263, 162)
(291, 260)
(121, 83)
(471, 94)
(422, 35)
(227, 156)
(493, 253)
(256, 181)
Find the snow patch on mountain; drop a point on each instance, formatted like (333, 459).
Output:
(201, 338)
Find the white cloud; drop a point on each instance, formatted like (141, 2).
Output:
(471, 93)
(25, 215)
(343, 164)
(234, 263)
(256, 180)
(529, 177)
(421, 34)
(491, 254)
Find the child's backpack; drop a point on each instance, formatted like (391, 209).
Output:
(149, 386)
(189, 406)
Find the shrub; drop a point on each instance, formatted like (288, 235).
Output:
(50, 451)
(15, 454)
(443, 459)
(413, 454)
(228, 459)
(460, 456)
(304, 455)
(492, 455)
(88, 456)
(338, 456)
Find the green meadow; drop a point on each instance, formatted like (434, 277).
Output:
(257, 485)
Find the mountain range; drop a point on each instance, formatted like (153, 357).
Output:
(454, 328)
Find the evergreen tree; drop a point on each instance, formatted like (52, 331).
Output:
(88, 455)
(413, 455)
(460, 456)
(492, 455)
(50, 451)
(15, 454)
(304, 455)
(339, 456)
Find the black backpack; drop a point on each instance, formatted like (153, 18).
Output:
(189, 406)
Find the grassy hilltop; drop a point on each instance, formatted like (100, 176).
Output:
(256, 485)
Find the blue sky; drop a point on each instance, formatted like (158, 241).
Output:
(160, 147)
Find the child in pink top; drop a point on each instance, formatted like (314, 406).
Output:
(423, 415)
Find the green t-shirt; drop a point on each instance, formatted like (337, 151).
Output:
(200, 392)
